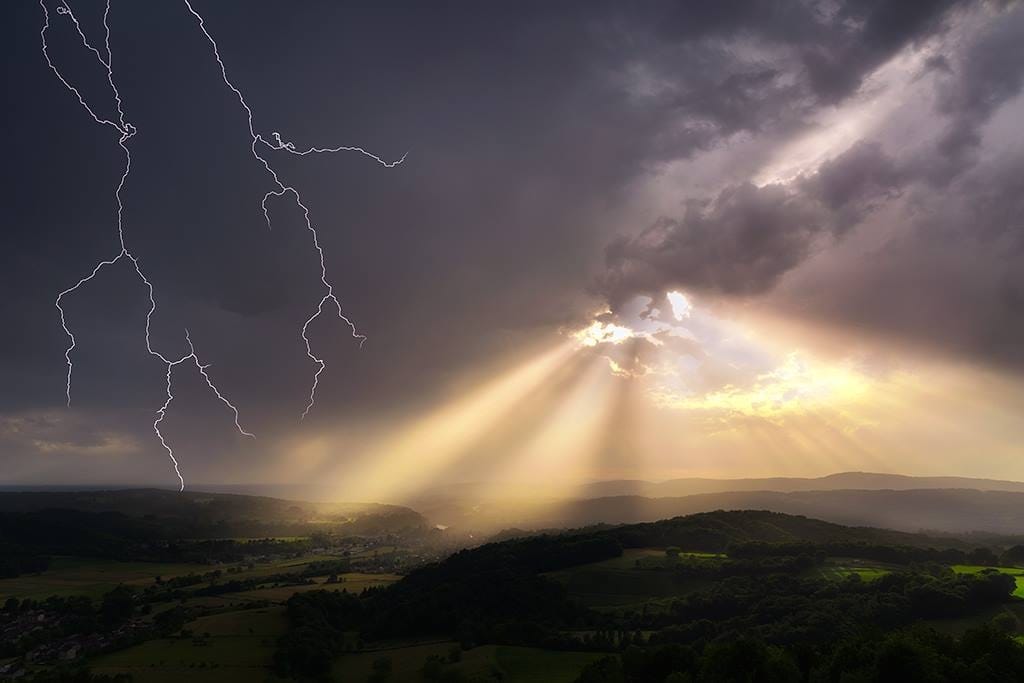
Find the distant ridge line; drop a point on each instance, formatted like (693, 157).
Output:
(867, 481)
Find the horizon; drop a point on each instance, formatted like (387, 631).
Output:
(476, 489)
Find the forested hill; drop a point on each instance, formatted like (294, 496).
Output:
(192, 505)
(159, 525)
(947, 510)
(196, 514)
(495, 580)
(863, 481)
(668, 596)
(716, 531)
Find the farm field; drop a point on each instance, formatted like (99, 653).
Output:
(841, 572)
(284, 565)
(841, 568)
(512, 664)
(240, 647)
(1016, 572)
(91, 577)
(353, 582)
(618, 582)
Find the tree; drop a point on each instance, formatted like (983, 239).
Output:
(117, 606)
(604, 670)
(1014, 555)
(381, 670)
(1005, 622)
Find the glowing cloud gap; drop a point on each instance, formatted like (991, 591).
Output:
(126, 131)
(279, 144)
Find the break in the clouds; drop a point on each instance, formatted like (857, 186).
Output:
(744, 239)
(841, 170)
(936, 258)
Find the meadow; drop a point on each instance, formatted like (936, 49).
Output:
(1016, 572)
(623, 581)
(485, 663)
(90, 577)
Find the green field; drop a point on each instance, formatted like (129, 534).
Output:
(842, 572)
(91, 577)
(842, 568)
(618, 582)
(235, 654)
(1016, 572)
(531, 665)
(286, 565)
(485, 663)
(240, 647)
(648, 558)
(353, 582)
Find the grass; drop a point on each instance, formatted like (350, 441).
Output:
(842, 568)
(283, 566)
(270, 621)
(648, 558)
(239, 658)
(617, 582)
(353, 583)
(532, 665)
(406, 662)
(91, 577)
(485, 663)
(240, 648)
(842, 572)
(1016, 572)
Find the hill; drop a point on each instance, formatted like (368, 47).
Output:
(841, 480)
(714, 596)
(955, 511)
(951, 511)
(198, 514)
(167, 526)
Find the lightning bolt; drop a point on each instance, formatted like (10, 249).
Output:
(276, 143)
(125, 131)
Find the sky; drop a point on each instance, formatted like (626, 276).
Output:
(644, 240)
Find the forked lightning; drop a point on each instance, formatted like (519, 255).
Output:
(125, 131)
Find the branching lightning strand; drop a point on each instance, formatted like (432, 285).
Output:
(126, 131)
(278, 144)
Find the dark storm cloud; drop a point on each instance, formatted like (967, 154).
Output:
(951, 282)
(739, 244)
(989, 73)
(949, 276)
(866, 34)
(836, 45)
(747, 237)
